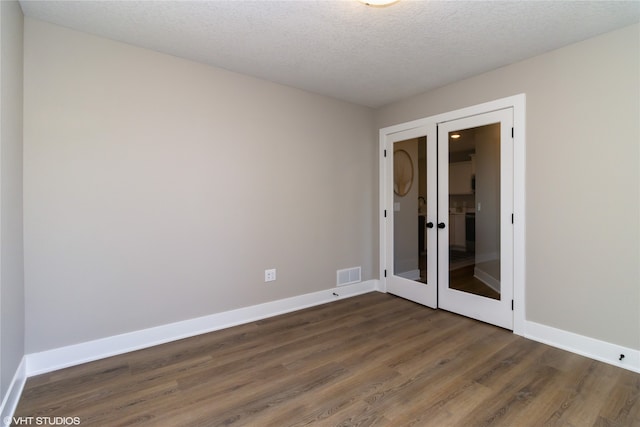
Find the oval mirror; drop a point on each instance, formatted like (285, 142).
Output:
(402, 172)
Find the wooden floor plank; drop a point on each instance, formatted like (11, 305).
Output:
(371, 360)
(623, 404)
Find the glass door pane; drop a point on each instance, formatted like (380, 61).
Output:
(474, 210)
(410, 209)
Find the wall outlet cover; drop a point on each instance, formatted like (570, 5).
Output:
(270, 275)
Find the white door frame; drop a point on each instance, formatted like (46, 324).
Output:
(517, 102)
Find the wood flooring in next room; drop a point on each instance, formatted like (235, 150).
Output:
(374, 359)
(463, 279)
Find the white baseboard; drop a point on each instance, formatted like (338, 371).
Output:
(10, 401)
(63, 357)
(58, 358)
(487, 279)
(584, 346)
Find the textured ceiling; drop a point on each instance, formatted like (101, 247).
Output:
(342, 48)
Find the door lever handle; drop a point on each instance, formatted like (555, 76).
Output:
(429, 224)
(441, 225)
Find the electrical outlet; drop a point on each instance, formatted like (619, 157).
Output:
(270, 275)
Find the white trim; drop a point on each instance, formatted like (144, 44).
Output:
(382, 244)
(487, 279)
(11, 399)
(516, 101)
(584, 346)
(58, 358)
(519, 212)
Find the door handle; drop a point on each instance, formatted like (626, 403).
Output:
(441, 225)
(429, 224)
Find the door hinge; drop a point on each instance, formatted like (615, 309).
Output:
(385, 273)
(511, 305)
(512, 132)
(385, 213)
(511, 218)
(385, 153)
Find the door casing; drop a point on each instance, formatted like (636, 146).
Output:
(517, 102)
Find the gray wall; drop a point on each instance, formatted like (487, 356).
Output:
(12, 328)
(159, 189)
(582, 178)
(487, 193)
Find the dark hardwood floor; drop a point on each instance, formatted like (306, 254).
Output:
(370, 360)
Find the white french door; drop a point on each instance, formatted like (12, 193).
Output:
(410, 190)
(475, 207)
(448, 202)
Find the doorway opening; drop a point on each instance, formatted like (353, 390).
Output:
(448, 192)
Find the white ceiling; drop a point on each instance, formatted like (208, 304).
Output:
(342, 48)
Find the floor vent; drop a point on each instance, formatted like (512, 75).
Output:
(349, 275)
